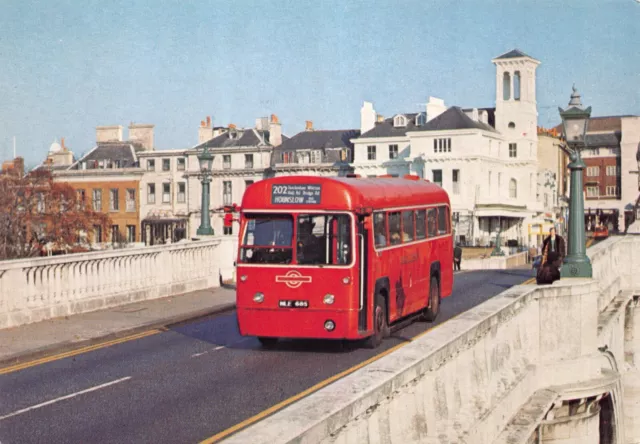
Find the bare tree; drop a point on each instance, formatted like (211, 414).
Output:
(35, 210)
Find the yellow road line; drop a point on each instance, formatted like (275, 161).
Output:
(263, 414)
(22, 366)
(310, 390)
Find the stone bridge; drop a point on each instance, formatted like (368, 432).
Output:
(552, 364)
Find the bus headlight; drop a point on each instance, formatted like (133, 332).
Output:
(258, 297)
(329, 325)
(243, 277)
(328, 299)
(346, 280)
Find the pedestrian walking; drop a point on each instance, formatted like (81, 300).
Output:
(555, 243)
(457, 257)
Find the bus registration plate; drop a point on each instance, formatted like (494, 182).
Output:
(293, 304)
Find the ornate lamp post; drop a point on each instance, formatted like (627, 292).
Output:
(575, 122)
(497, 251)
(206, 160)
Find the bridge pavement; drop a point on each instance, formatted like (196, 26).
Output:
(195, 381)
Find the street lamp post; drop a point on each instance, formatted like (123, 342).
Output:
(575, 122)
(205, 159)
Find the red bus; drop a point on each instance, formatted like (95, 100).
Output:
(341, 258)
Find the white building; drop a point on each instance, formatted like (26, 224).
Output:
(241, 157)
(164, 209)
(485, 158)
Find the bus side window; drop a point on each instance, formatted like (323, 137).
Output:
(407, 226)
(380, 229)
(443, 217)
(432, 223)
(421, 224)
(394, 228)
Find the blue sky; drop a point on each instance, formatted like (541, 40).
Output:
(65, 68)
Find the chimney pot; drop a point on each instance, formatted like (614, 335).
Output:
(208, 121)
(232, 126)
(309, 125)
(274, 118)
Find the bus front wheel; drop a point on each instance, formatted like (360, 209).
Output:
(268, 342)
(380, 327)
(431, 311)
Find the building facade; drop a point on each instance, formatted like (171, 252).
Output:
(241, 157)
(610, 183)
(107, 178)
(486, 158)
(164, 196)
(315, 152)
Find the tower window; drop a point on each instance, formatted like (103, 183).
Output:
(506, 86)
(512, 125)
(516, 85)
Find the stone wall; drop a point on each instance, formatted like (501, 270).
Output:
(496, 262)
(33, 290)
(523, 366)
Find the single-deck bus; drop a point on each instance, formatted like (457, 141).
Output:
(341, 258)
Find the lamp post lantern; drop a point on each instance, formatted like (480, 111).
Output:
(575, 122)
(205, 159)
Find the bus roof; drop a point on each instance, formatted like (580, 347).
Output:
(295, 193)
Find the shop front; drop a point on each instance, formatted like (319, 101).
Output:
(160, 228)
(602, 217)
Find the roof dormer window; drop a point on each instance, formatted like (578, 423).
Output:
(399, 121)
(421, 119)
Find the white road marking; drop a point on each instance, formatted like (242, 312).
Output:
(195, 355)
(72, 395)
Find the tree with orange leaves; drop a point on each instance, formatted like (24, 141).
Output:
(35, 210)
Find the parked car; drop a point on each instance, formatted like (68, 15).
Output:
(601, 232)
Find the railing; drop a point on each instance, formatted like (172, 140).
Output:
(32, 290)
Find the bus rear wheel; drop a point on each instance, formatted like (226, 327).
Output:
(380, 326)
(431, 312)
(267, 342)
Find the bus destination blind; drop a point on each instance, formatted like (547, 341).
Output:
(295, 194)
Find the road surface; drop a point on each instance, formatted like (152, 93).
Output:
(192, 382)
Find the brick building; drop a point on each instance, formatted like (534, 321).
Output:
(609, 185)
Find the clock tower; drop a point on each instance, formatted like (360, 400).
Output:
(516, 110)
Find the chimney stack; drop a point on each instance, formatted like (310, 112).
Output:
(275, 131)
(205, 132)
(435, 107)
(308, 125)
(368, 117)
(112, 133)
(142, 133)
(262, 123)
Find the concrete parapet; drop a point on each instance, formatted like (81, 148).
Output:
(33, 290)
(496, 262)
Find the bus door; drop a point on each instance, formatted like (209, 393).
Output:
(364, 225)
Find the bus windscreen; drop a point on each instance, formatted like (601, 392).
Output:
(321, 239)
(268, 239)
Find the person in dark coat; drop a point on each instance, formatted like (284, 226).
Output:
(549, 272)
(554, 243)
(457, 257)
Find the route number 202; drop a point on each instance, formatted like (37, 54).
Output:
(279, 189)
